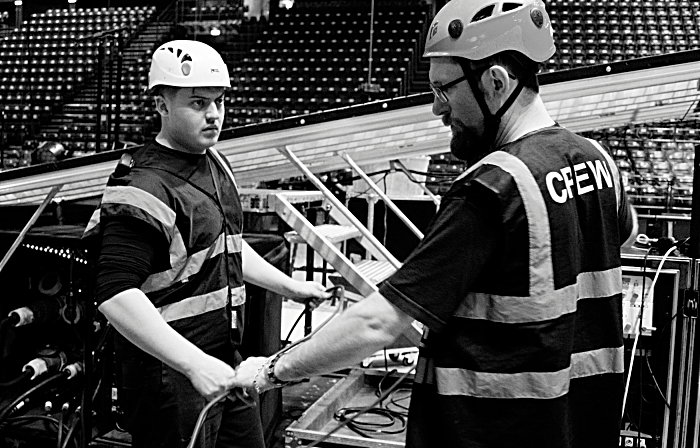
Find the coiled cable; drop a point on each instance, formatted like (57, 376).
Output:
(336, 292)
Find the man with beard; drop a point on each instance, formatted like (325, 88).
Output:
(518, 277)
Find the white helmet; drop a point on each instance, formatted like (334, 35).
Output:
(187, 63)
(477, 29)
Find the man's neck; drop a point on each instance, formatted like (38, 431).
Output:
(523, 118)
(162, 138)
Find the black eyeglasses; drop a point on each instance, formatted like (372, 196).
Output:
(439, 92)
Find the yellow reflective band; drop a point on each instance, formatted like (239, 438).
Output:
(539, 385)
(598, 362)
(542, 385)
(234, 243)
(541, 270)
(223, 163)
(613, 169)
(197, 305)
(183, 269)
(94, 221)
(599, 284)
(159, 211)
(143, 200)
(551, 305)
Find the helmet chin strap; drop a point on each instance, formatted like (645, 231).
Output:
(491, 121)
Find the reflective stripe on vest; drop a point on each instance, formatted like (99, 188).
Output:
(151, 206)
(185, 268)
(194, 306)
(539, 385)
(543, 301)
(613, 169)
(225, 166)
(547, 306)
(182, 266)
(94, 221)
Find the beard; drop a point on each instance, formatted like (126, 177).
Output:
(468, 145)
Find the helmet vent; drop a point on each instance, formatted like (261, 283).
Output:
(511, 6)
(485, 13)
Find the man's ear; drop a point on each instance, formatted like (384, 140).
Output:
(161, 105)
(496, 82)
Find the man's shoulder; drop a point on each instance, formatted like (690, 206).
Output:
(142, 169)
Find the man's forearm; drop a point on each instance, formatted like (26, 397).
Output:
(360, 331)
(261, 273)
(135, 317)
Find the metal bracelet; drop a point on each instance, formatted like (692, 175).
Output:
(255, 378)
(271, 377)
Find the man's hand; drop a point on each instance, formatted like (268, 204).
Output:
(211, 377)
(246, 372)
(313, 292)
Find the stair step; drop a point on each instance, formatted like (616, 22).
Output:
(332, 232)
(373, 270)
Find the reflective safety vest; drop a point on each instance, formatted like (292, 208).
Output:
(550, 312)
(200, 290)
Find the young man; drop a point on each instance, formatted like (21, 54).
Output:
(518, 277)
(173, 261)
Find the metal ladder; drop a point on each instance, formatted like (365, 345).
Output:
(363, 276)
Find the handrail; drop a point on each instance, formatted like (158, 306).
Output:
(339, 206)
(30, 223)
(389, 203)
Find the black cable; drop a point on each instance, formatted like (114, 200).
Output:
(69, 434)
(296, 322)
(392, 418)
(59, 436)
(365, 191)
(641, 370)
(658, 388)
(338, 291)
(9, 321)
(25, 375)
(656, 346)
(345, 422)
(24, 419)
(6, 411)
(395, 401)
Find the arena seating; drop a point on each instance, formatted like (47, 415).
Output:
(309, 59)
(44, 64)
(656, 161)
(589, 33)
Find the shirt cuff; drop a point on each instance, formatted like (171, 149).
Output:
(410, 307)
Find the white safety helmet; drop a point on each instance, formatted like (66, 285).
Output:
(477, 29)
(187, 63)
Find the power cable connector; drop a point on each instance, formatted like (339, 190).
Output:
(49, 361)
(45, 310)
(73, 369)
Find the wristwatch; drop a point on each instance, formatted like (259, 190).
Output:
(271, 377)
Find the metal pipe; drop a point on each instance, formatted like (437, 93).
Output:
(118, 89)
(371, 41)
(384, 197)
(98, 105)
(694, 243)
(30, 223)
